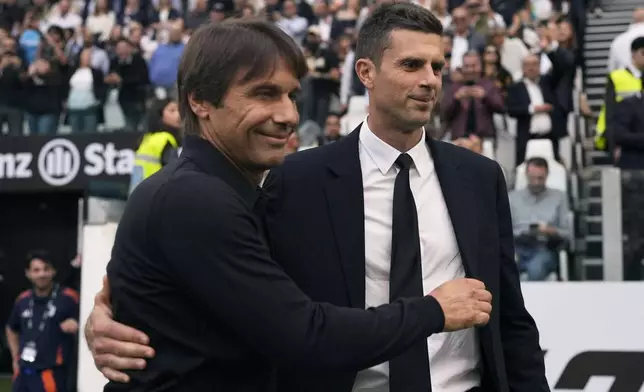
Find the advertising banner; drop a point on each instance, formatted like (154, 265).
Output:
(591, 333)
(66, 162)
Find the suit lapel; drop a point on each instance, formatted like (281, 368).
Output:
(345, 202)
(458, 197)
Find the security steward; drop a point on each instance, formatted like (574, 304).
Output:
(621, 84)
(628, 129)
(41, 331)
(161, 144)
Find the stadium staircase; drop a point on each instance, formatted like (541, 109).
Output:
(600, 32)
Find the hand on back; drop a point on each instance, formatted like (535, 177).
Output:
(115, 347)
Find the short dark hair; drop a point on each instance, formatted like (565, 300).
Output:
(217, 53)
(637, 44)
(537, 162)
(373, 37)
(40, 255)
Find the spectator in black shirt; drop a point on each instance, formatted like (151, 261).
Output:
(325, 81)
(11, 15)
(11, 67)
(129, 72)
(190, 266)
(45, 88)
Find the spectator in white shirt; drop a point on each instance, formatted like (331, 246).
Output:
(63, 17)
(620, 53)
(439, 8)
(293, 24)
(101, 21)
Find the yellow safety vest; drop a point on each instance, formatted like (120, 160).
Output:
(626, 85)
(147, 160)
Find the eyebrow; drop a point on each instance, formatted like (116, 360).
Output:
(438, 64)
(272, 87)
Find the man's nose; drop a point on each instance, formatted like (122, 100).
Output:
(430, 79)
(286, 112)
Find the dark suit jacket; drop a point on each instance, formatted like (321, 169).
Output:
(563, 75)
(628, 133)
(315, 218)
(518, 103)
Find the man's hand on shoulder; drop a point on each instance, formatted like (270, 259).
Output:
(114, 346)
(465, 303)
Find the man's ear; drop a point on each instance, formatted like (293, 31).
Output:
(199, 108)
(366, 71)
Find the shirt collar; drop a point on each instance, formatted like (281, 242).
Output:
(212, 161)
(384, 155)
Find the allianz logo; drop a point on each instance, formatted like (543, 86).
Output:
(59, 162)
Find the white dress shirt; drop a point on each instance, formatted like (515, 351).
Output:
(454, 357)
(460, 46)
(540, 123)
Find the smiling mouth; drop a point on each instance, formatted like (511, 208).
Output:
(280, 137)
(423, 99)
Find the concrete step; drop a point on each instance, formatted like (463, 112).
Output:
(585, 261)
(599, 91)
(603, 46)
(600, 37)
(596, 54)
(618, 7)
(612, 16)
(633, 3)
(596, 103)
(597, 63)
(596, 80)
(601, 26)
(596, 72)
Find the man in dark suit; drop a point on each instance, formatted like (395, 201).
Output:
(531, 102)
(387, 212)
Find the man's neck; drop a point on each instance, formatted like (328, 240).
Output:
(400, 139)
(44, 292)
(254, 177)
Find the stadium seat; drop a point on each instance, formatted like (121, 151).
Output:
(558, 175)
(488, 149)
(356, 113)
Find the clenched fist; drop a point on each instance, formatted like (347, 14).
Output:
(465, 302)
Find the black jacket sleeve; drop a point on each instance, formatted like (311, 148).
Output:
(524, 363)
(231, 274)
(626, 132)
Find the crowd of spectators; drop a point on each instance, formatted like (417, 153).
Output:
(61, 59)
(62, 62)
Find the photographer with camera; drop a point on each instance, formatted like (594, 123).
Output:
(540, 222)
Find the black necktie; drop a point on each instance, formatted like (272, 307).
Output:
(410, 371)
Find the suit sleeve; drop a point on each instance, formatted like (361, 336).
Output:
(516, 106)
(623, 123)
(232, 276)
(524, 364)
